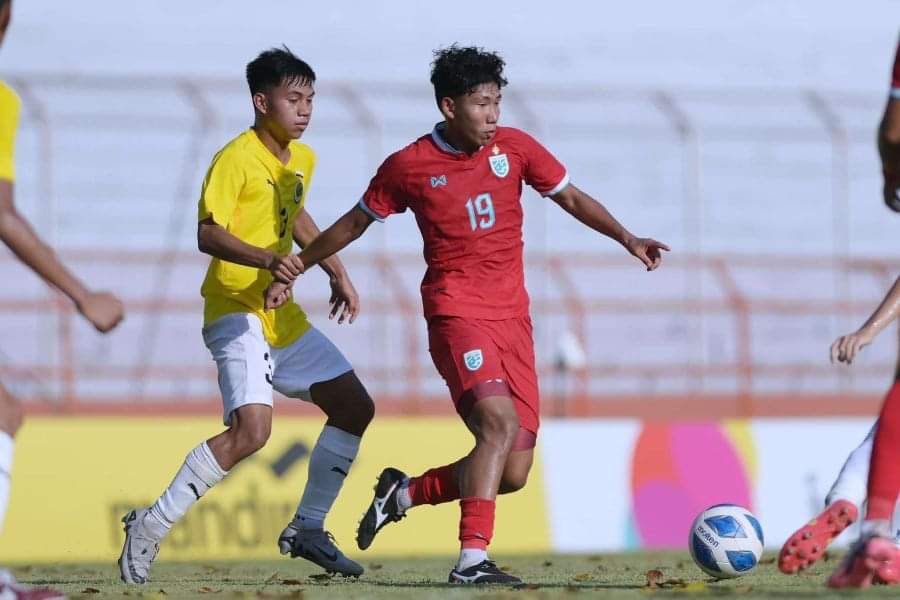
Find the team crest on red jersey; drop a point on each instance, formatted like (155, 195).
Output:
(499, 162)
(473, 359)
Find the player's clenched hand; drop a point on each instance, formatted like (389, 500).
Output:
(285, 268)
(846, 347)
(344, 299)
(277, 294)
(647, 250)
(102, 309)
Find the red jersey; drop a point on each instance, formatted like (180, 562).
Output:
(469, 211)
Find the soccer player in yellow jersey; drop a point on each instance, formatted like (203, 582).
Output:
(103, 310)
(252, 208)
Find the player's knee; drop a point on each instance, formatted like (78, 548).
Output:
(367, 410)
(498, 423)
(361, 408)
(347, 404)
(251, 436)
(354, 414)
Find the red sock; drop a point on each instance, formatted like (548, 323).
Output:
(884, 474)
(434, 486)
(476, 525)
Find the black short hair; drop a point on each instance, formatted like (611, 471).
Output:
(3, 3)
(459, 70)
(275, 67)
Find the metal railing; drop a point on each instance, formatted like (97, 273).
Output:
(135, 147)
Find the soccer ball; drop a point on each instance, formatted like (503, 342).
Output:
(726, 541)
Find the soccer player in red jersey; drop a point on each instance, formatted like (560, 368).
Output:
(875, 557)
(463, 182)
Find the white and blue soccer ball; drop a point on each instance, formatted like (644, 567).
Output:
(726, 541)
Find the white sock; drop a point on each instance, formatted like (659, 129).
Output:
(877, 527)
(853, 479)
(199, 472)
(6, 459)
(329, 465)
(404, 502)
(469, 557)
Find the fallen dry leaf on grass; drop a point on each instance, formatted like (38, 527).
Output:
(654, 578)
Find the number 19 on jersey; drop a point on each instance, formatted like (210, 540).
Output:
(481, 212)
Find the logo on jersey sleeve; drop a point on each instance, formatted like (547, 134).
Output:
(298, 191)
(499, 162)
(436, 181)
(473, 359)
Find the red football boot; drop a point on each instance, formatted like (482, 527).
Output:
(871, 560)
(808, 544)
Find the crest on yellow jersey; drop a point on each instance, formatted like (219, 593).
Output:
(298, 191)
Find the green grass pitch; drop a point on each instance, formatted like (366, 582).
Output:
(638, 575)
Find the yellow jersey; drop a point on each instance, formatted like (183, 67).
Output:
(256, 198)
(9, 122)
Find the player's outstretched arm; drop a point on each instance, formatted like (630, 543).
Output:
(331, 241)
(845, 348)
(103, 310)
(344, 298)
(594, 215)
(214, 240)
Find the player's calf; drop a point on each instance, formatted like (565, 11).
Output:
(518, 466)
(251, 426)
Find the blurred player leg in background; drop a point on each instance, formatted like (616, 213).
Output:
(874, 558)
(842, 506)
(10, 421)
(104, 311)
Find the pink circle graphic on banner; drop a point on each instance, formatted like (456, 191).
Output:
(678, 470)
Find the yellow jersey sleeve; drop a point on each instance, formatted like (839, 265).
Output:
(9, 123)
(222, 187)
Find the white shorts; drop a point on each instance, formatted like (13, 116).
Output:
(249, 368)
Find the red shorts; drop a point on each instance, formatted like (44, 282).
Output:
(479, 358)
